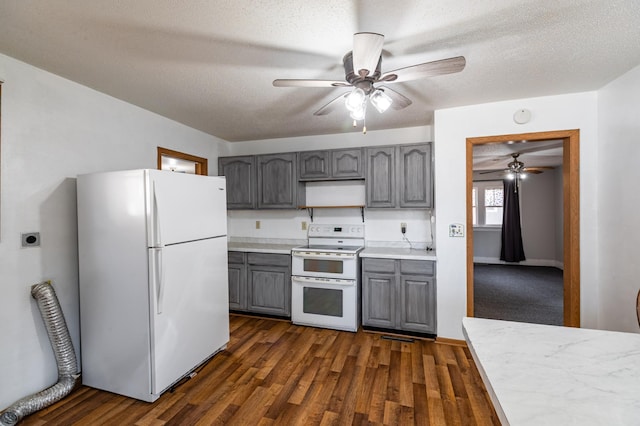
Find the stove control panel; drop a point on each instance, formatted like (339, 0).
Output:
(336, 231)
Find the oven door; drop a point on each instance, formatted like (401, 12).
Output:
(325, 302)
(324, 264)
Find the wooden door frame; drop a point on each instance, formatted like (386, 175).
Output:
(571, 214)
(202, 167)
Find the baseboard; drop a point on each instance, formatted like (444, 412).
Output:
(529, 262)
(447, 341)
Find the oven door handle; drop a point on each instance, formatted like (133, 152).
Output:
(321, 281)
(330, 256)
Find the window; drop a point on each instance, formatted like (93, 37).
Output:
(487, 201)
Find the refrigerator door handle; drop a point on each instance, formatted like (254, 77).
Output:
(157, 277)
(156, 237)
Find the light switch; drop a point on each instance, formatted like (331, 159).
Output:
(456, 230)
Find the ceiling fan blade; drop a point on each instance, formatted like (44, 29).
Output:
(309, 83)
(491, 171)
(332, 105)
(428, 69)
(367, 48)
(400, 101)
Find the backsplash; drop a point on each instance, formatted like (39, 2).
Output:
(381, 226)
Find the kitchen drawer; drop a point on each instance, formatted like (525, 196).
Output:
(268, 259)
(386, 266)
(236, 257)
(421, 267)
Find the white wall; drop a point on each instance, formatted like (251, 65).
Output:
(538, 217)
(452, 127)
(53, 130)
(619, 201)
(380, 224)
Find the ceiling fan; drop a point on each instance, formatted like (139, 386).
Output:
(516, 168)
(362, 68)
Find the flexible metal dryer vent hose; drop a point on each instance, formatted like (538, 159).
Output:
(60, 339)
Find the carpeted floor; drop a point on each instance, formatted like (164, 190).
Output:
(530, 294)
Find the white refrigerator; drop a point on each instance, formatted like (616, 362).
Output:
(154, 301)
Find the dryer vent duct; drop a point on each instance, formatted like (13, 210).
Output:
(60, 339)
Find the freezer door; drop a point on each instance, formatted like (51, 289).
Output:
(190, 307)
(183, 207)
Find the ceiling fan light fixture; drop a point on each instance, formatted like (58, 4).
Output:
(380, 100)
(359, 113)
(355, 100)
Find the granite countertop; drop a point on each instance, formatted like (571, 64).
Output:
(550, 375)
(398, 253)
(264, 246)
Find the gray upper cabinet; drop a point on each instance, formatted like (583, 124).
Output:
(399, 176)
(347, 164)
(381, 179)
(414, 176)
(337, 164)
(278, 186)
(240, 173)
(314, 165)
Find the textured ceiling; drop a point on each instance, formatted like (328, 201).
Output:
(210, 64)
(496, 156)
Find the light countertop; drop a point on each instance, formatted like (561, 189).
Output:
(550, 375)
(263, 247)
(398, 253)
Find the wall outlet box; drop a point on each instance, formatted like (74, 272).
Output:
(257, 224)
(456, 230)
(403, 228)
(303, 226)
(30, 239)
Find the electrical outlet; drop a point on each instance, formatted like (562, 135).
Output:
(303, 226)
(403, 227)
(257, 224)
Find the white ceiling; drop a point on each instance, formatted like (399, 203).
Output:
(210, 64)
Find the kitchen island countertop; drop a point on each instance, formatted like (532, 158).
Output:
(550, 375)
(398, 253)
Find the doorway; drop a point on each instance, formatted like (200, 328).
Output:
(571, 216)
(181, 162)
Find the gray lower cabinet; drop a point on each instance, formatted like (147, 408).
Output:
(399, 294)
(278, 185)
(237, 281)
(260, 283)
(240, 173)
(399, 176)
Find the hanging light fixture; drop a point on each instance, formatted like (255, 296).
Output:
(356, 102)
(515, 170)
(380, 100)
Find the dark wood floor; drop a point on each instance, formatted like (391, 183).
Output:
(276, 373)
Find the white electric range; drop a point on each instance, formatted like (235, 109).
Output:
(325, 278)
